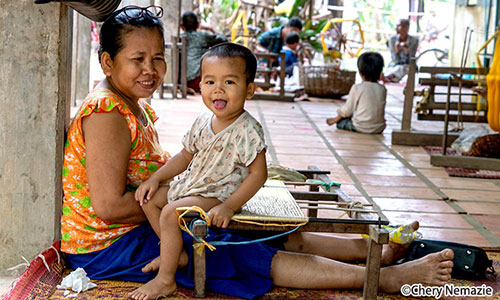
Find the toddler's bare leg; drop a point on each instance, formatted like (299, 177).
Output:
(170, 249)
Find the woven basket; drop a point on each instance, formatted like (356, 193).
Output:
(326, 81)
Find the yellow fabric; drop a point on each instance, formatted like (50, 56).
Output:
(493, 82)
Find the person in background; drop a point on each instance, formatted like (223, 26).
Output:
(198, 42)
(292, 42)
(365, 107)
(402, 47)
(273, 40)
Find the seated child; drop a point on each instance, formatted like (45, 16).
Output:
(365, 106)
(292, 41)
(223, 156)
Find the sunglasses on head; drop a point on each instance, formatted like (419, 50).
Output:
(136, 12)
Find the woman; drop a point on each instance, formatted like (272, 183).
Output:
(112, 147)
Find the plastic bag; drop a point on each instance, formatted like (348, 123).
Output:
(464, 141)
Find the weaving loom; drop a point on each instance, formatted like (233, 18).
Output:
(275, 208)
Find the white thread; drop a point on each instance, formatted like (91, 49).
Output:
(57, 253)
(44, 261)
(25, 264)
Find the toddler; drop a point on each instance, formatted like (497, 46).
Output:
(223, 156)
(365, 107)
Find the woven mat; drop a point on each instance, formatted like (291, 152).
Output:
(462, 172)
(39, 283)
(272, 203)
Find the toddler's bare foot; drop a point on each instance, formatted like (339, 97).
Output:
(431, 270)
(392, 252)
(154, 265)
(330, 121)
(154, 289)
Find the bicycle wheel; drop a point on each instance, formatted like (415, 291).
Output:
(433, 57)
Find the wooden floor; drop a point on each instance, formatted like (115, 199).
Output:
(399, 179)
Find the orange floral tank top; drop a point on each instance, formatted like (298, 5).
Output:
(82, 230)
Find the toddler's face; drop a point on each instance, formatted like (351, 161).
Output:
(138, 69)
(223, 86)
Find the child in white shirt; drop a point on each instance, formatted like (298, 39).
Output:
(365, 107)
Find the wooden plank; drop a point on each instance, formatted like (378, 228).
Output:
(444, 82)
(302, 195)
(409, 92)
(447, 70)
(288, 97)
(441, 117)
(453, 106)
(420, 138)
(183, 67)
(468, 162)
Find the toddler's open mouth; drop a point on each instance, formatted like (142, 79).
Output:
(219, 104)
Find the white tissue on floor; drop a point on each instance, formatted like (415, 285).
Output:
(77, 281)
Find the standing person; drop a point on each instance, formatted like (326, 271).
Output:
(224, 155)
(198, 42)
(402, 47)
(112, 147)
(273, 40)
(365, 107)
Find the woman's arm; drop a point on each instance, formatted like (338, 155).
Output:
(107, 141)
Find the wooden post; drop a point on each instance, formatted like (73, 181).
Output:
(282, 75)
(378, 236)
(184, 66)
(409, 92)
(175, 66)
(446, 117)
(200, 230)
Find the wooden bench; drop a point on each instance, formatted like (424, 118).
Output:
(409, 137)
(267, 71)
(178, 58)
(362, 221)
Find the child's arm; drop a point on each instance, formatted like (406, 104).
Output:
(172, 168)
(221, 214)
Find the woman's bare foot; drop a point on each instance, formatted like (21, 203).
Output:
(392, 252)
(154, 265)
(431, 270)
(154, 289)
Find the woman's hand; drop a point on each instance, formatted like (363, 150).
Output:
(146, 190)
(220, 215)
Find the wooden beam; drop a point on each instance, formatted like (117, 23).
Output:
(288, 97)
(420, 138)
(409, 93)
(440, 117)
(447, 70)
(468, 162)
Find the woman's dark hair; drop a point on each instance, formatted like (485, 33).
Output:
(292, 38)
(232, 50)
(370, 65)
(190, 21)
(119, 23)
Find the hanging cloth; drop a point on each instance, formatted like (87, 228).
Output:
(493, 82)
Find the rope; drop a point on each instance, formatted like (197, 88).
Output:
(325, 184)
(200, 246)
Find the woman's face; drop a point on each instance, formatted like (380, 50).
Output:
(138, 68)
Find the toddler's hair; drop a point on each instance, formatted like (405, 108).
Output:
(295, 22)
(118, 24)
(233, 50)
(292, 38)
(190, 21)
(370, 65)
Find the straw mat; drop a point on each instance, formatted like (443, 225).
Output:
(272, 203)
(39, 283)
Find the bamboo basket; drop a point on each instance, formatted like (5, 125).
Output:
(326, 81)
